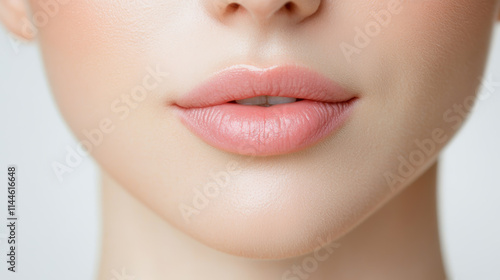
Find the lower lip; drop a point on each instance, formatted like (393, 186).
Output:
(265, 131)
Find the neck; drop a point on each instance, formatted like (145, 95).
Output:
(399, 241)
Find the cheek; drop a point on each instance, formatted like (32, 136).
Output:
(93, 53)
(96, 52)
(428, 64)
(110, 87)
(105, 70)
(440, 63)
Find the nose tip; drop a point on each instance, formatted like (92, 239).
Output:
(265, 10)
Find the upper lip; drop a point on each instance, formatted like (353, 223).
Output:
(244, 81)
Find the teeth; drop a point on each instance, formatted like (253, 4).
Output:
(257, 100)
(275, 100)
(266, 101)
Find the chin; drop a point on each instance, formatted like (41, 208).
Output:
(258, 217)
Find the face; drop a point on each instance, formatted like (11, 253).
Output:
(120, 69)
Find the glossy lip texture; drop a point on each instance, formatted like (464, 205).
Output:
(264, 131)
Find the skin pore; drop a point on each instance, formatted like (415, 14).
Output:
(366, 193)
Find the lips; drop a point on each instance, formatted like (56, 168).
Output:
(309, 107)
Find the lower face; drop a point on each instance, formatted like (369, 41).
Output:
(119, 70)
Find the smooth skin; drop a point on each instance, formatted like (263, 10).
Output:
(358, 205)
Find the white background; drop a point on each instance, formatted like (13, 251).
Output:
(59, 222)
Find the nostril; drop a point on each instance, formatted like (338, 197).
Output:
(290, 6)
(232, 7)
(263, 11)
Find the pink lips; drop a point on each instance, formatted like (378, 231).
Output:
(263, 131)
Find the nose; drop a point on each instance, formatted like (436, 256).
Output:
(264, 11)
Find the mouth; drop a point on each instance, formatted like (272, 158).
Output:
(262, 112)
